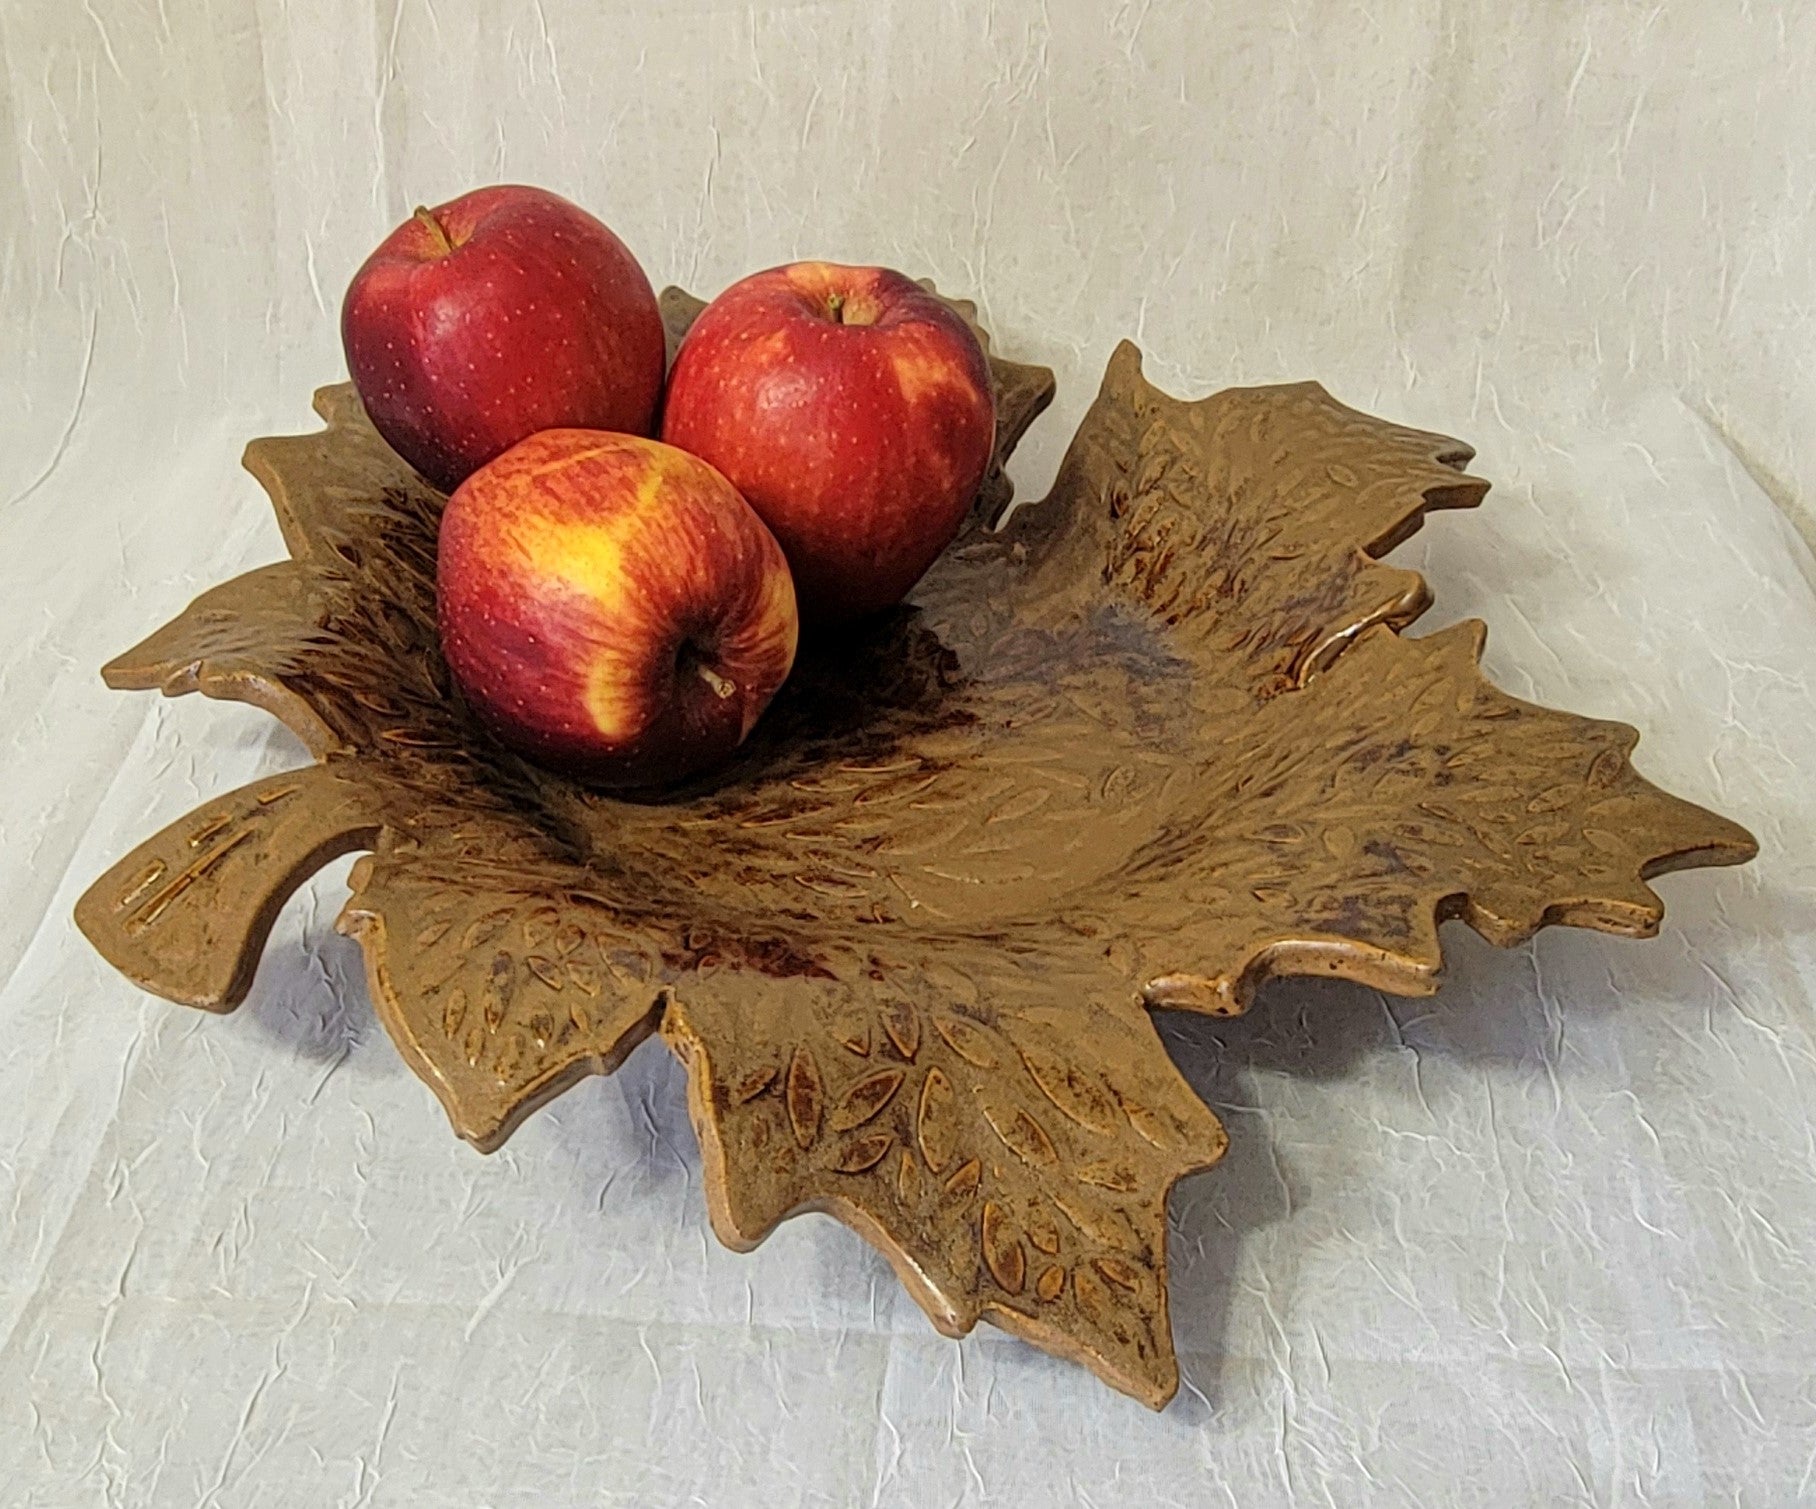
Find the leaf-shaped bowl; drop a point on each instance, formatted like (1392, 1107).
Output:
(1155, 740)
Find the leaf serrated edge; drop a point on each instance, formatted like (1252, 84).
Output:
(953, 1316)
(1710, 840)
(486, 1123)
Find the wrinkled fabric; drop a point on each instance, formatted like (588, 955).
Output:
(1545, 1237)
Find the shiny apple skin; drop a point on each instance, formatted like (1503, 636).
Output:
(611, 609)
(498, 314)
(856, 413)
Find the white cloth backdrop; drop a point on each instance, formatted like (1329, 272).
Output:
(1546, 1238)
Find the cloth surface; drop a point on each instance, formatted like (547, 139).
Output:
(1546, 1237)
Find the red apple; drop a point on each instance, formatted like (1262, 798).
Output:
(853, 409)
(498, 314)
(611, 608)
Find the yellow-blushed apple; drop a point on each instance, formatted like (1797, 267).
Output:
(611, 608)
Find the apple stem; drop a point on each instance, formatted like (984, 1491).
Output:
(835, 307)
(722, 689)
(442, 244)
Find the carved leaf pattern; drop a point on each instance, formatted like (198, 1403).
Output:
(1154, 740)
(503, 994)
(1010, 1153)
